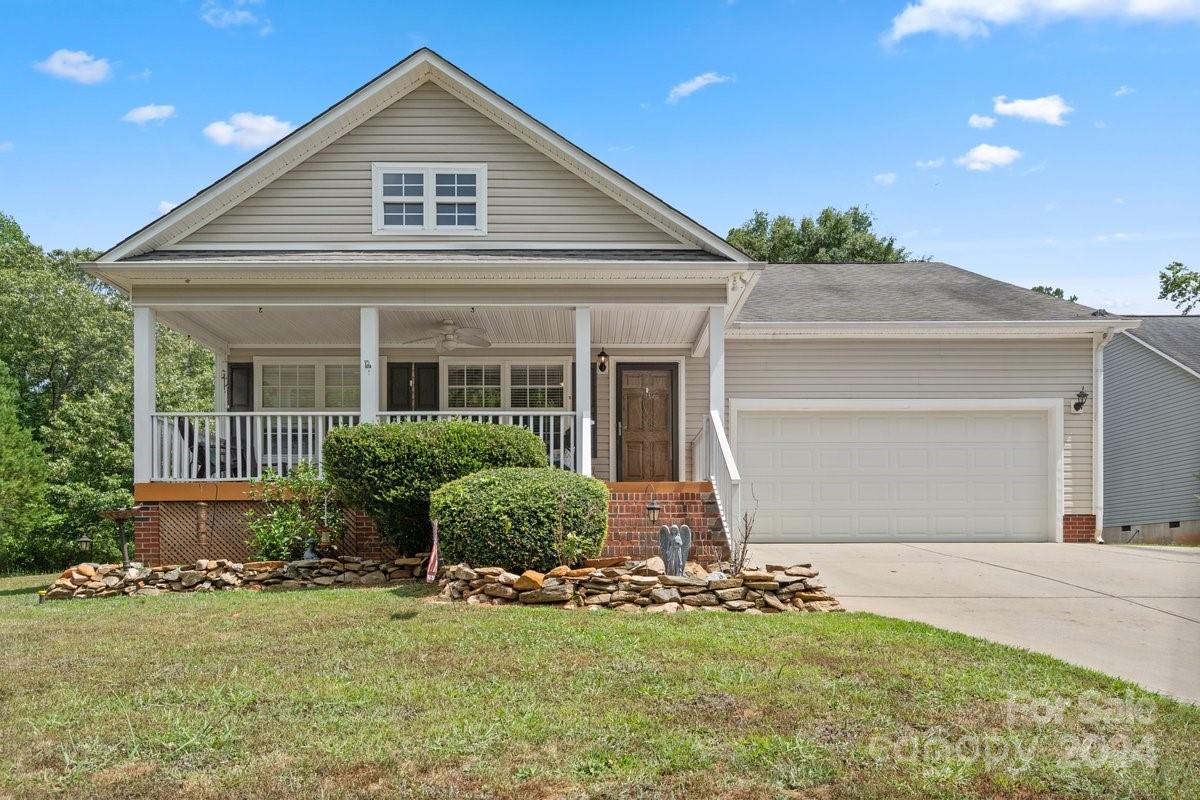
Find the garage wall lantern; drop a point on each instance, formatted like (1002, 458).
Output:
(1080, 400)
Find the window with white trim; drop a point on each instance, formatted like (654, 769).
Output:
(536, 386)
(289, 386)
(341, 386)
(474, 386)
(442, 199)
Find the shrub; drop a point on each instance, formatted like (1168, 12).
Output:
(295, 509)
(388, 471)
(521, 518)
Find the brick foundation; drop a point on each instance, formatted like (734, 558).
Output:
(147, 538)
(632, 536)
(1079, 528)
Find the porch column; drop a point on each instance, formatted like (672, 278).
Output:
(368, 372)
(143, 393)
(220, 381)
(716, 361)
(583, 390)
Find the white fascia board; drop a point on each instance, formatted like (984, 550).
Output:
(1158, 352)
(928, 329)
(746, 283)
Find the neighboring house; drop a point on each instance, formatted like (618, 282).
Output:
(1152, 433)
(354, 271)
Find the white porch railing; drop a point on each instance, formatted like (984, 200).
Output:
(712, 460)
(240, 446)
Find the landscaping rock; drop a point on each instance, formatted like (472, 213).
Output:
(500, 590)
(664, 594)
(529, 580)
(549, 594)
(683, 580)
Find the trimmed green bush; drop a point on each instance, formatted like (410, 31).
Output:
(388, 471)
(521, 518)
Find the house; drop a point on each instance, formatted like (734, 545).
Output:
(426, 249)
(1152, 433)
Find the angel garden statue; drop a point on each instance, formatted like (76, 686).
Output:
(675, 542)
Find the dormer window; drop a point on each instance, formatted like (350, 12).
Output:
(423, 199)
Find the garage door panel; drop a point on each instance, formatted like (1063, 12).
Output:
(904, 475)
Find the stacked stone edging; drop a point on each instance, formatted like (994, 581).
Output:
(208, 575)
(637, 586)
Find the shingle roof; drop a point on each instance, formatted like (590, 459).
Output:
(422, 256)
(914, 291)
(1178, 337)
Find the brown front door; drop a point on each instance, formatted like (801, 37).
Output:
(646, 425)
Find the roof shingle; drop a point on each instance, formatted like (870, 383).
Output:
(1178, 337)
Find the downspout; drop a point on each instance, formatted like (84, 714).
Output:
(1099, 340)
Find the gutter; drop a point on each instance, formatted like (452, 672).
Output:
(1099, 342)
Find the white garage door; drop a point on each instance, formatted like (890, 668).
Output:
(895, 475)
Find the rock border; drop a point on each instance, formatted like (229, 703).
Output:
(89, 580)
(642, 586)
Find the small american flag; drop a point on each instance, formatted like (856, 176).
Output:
(432, 571)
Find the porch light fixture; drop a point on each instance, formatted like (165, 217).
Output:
(602, 362)
(653, 507)
(1080, 400)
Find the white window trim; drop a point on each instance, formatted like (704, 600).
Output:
(430, 200)
(505, 364)
(319, 363)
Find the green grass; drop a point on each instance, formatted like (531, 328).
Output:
(368, 693)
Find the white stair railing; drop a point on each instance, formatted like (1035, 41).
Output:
(712, 460)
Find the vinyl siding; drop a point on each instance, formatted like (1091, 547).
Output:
(912, 369)
(327, 197)
(1151, 437)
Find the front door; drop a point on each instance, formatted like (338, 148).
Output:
(646, 424)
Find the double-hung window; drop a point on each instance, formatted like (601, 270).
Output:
(506, 385)
(298, 384)
(422, 199)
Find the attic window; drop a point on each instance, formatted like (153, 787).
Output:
(425, 199)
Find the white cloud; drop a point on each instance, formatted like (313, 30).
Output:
(984, 157)
(1049, 109)
(143, 114)
(75, 65)
(164, 206)
(6, 147)
(693, 85)
(1118, 237)
(1124, 90)
(1119, 201)
(234, 15)
(1101, 124)
(885, 178)
(932, 163)
(247, 131)
(968, 18)
(981, 121)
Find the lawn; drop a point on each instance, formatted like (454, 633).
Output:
(378, 692)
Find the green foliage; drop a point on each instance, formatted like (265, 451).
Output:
(833, 237)
(22, 480)
(521, 518)
(388, 471)
(1051, 291)
(66, 338)
(296, 509)
(1180, 285)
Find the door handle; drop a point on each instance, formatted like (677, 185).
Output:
(620, 429)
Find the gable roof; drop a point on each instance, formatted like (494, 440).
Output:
(912, 291)
(420, 67)
(1176, 337)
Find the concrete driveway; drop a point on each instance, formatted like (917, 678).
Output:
(1133, 612)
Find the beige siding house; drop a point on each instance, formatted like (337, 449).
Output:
(425, 249)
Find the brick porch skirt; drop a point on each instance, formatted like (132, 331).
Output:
(175, 532)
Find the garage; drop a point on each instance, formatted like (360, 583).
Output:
(845, 471)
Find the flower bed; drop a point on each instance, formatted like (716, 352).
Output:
(206, 575)
(641, 586)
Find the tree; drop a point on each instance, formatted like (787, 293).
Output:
(833, 237)
(1055, 292)
(22, 479)
(66, 338)
(1180, 285)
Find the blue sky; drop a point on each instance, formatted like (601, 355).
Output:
(803, 104)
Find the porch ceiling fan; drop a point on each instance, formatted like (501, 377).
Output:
(447, 336)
